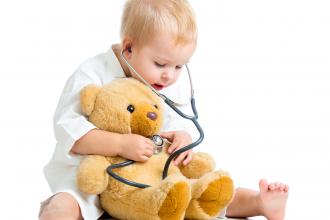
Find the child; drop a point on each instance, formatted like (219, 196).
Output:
(158, 38)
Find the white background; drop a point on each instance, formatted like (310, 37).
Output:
(262, 82)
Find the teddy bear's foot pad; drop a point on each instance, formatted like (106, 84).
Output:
(176, 202)
(217, 195)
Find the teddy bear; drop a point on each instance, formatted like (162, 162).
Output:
(193, 191)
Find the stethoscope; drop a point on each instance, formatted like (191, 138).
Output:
(157, 140)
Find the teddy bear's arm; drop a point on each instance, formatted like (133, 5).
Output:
(200, 164)
(92, 177)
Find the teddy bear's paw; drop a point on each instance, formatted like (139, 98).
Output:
(176, 202)
(91, 175)
(211, 194)
(200, 164)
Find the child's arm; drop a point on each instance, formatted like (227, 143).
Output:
(99, 142)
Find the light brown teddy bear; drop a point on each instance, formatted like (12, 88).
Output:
(193, 191)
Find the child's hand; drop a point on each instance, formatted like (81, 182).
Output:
(179, 140)
(136, 147)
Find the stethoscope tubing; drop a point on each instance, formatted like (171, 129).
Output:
(172, 105)
(121, 179)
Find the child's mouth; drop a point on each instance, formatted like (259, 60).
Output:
(157, 86)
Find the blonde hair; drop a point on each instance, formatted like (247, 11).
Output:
(143, 20)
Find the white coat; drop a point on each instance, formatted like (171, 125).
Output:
(70, 125)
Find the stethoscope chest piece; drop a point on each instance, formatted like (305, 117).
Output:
(158, 141)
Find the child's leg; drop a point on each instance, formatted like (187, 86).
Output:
(61, 206)
(269, 202)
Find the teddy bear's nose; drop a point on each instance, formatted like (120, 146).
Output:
(152, 115)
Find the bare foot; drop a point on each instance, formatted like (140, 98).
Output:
(272, 199)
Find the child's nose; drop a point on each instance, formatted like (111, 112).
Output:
(167, 75)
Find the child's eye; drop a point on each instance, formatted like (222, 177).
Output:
(178, 67)
(159, 65)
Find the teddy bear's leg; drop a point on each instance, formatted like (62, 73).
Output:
(92, 177)
(210, 194)
(166, 201)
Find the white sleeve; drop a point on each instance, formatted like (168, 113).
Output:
(69, 122)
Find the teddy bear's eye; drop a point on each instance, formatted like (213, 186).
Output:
(130, 108)
(156, 106)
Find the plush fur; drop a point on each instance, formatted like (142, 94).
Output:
(194, 191)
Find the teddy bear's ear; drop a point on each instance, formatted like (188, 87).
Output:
(87, 98)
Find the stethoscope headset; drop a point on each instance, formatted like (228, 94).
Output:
(157, 140)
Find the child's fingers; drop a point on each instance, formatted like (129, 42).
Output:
(143, 159)
(172, 148)
(188, 158)
(149, 147)
(149, 143)
(168, 135)
(149, 152)
(180, 158)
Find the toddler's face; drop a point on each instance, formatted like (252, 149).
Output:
(160, 61)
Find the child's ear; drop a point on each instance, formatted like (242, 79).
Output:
(127, 46)
(87, 98)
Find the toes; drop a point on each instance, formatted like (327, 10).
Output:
(280, 186)
(284, 187)
(276, 186)
(263, 185)
(272, 186)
